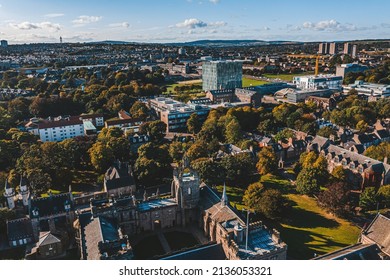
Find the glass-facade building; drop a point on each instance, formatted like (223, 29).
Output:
(221, 74)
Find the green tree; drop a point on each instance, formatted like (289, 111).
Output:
(268, 202)
(339, 174)
(155, 129)
(196, 151)
(379, 152)
(101, 156)
(326, 131)
(335, 198)
(384, 195)
(284, 135)
(368, 199)
(233, 132)
(139, 110)
(267, 162)
(193, 124)
(307, 182)
(211, 172)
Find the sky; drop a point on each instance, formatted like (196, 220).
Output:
(31, 21)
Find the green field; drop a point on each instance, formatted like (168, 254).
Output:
(286, 77)
(251, 82)
(307, 229)
(170, 88)
(245, 83)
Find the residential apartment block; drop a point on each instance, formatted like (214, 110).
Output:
(64, 127)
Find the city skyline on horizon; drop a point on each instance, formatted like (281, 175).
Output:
(189, 20)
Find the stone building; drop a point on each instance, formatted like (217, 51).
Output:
(362, 171)
(118, 180)
(190, 204)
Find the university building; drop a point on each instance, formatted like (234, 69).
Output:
(221, 74)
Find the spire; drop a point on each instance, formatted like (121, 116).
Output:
(224, 198)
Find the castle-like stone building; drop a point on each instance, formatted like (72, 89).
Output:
(190, 204)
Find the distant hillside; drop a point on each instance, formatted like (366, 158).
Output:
(230, 43)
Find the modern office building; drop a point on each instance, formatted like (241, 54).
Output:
(369, 89)
(318, 82)
(175, 114)
(221, 74)
(343, 69)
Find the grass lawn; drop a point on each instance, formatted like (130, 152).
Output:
(286, 77)
(170, 88)
(235, 196)
(251, 82)
(307, 228)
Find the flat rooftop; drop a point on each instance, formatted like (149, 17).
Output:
(158, 203)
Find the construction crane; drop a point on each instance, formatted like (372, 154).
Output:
(317, 57)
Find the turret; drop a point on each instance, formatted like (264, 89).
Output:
(24, 191)
(9, 194)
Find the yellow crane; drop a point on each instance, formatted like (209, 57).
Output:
(317, 57)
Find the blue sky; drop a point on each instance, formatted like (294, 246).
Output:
(25, 21)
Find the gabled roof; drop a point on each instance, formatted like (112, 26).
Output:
(47, 238)
(117, 176)
(379, 232)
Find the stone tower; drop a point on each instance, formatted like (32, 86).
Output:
(24, 191)
(186, 191)
(9, 194)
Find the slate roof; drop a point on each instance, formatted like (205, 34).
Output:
(354, 252)
(368, 163)
(116, 177)
(208, 252)
(19, 229)
(51, 205)
(379, 232)
(47, 238)
(94, 231)
(383, 133)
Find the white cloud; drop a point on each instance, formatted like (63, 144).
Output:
(217, 23)
(193, 23)
(46, 25)
(120, 24)
(82, 20)
(328, 25)
(54, 15)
